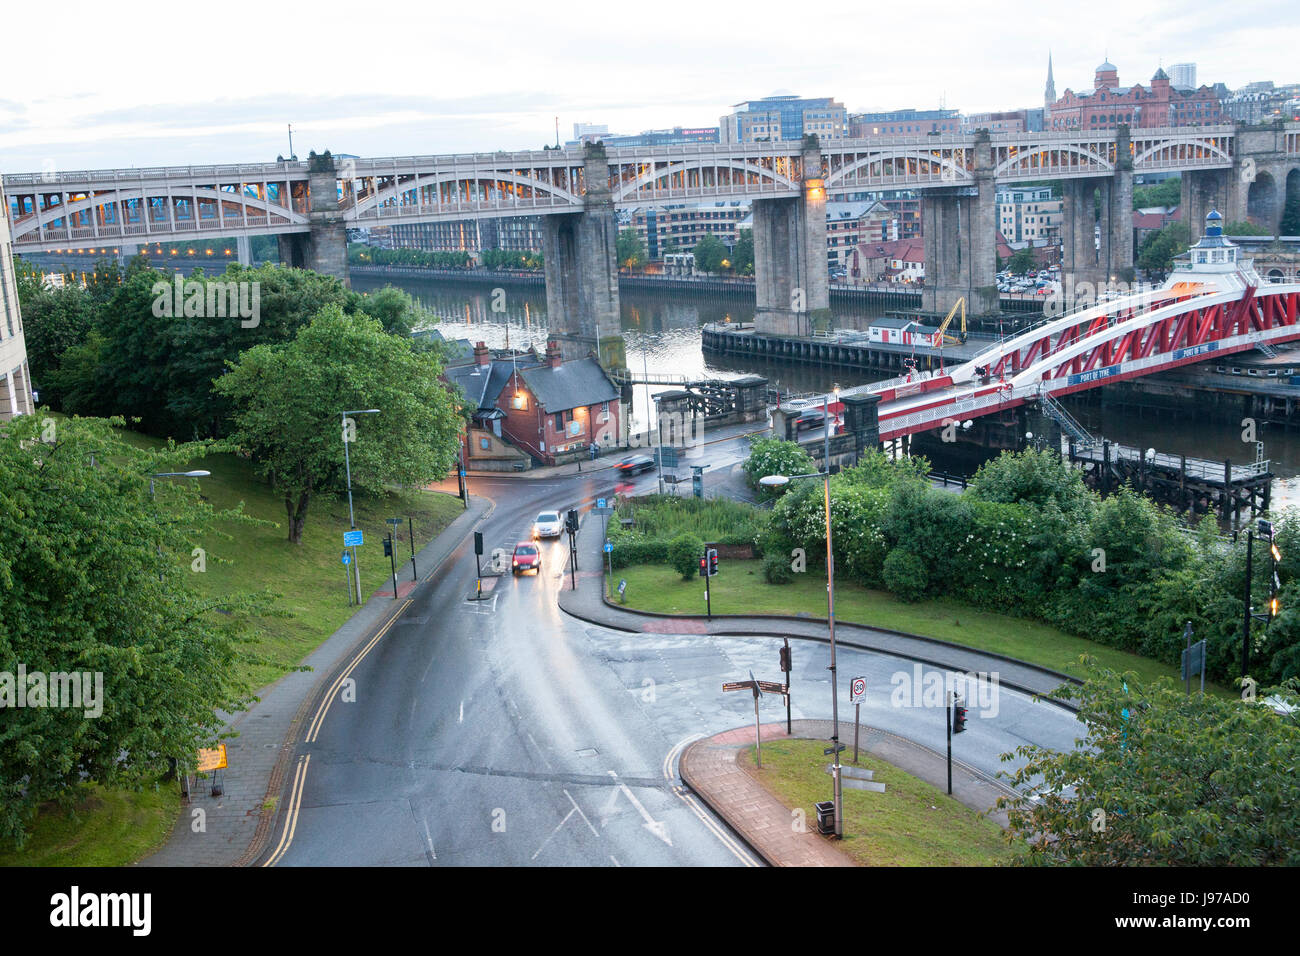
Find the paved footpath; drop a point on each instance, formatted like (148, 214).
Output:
(234, 826)
(717, 769)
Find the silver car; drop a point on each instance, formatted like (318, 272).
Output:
(549, 524)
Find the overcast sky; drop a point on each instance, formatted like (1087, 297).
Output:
(89, 86)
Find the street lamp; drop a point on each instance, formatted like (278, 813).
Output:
(780, 481)
(347, 465)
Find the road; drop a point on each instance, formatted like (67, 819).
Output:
(504, 733)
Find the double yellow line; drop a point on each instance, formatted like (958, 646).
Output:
(313, 731)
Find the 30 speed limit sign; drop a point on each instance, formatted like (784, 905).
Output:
(858, 690)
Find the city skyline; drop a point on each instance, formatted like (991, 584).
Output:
(449, 98)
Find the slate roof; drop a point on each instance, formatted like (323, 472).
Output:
(483, 388)
(572, 385)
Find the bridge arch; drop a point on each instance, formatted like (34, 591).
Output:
(949, 170)
(1214, 147)
(628, 189)
(1289, 224)
(1262, 206)
(488, 183)
(1092, 161)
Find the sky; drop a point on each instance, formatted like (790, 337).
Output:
(142, 85)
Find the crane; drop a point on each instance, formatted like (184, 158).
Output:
(960, 338)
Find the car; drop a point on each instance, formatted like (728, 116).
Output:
(526, 558)
(549, 524)
(813, 418)
(635, 464)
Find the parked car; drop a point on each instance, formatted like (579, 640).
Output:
(526, 558)
(549, 524)
(813, 418)
(635, 464)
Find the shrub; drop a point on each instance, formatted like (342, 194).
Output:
(684, 553)
(775, 456)
(776, 569)
(905, 575)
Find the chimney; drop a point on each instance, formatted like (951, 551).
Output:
(554, 358)
(482, 355)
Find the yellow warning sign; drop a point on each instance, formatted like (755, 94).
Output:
(213, 758)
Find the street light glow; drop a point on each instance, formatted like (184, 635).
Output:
(774, 481)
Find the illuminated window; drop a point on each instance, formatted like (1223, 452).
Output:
(520, 401)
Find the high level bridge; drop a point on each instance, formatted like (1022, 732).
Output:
(309, 205)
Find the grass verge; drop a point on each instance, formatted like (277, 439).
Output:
(740, 588)
(104, 828)
(910, 824)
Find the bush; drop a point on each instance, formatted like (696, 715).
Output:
(776, 569)
(684, 553)
(775, 456)
(905, 575)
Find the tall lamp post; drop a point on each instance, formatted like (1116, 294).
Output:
(780, 481)
(347, 465)
(173, 474)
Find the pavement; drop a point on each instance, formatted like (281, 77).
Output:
(714, 769)
(229, 830)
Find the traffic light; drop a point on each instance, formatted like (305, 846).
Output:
(704, 567)
(571, 521)
(712, 555)
(785, 659)
(958, 717)
(388, 547)
(478, 542)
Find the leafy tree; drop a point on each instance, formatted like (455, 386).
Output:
(1033, 478)
(288, 399)
(95, 577)
(684, 553)
(1156, 254)
(905, 575)
(394, 308)
(54, 320)
(742, 256)
(1181, 781)
(1168, 192)
(1021, 261)
(775, 456)
(631, 249)
(1240, 228)
(709, 253)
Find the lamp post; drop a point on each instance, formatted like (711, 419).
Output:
(780, 481)
(172, 474)
(347, 465)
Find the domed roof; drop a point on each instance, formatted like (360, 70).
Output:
(1107, 67)
(1160, 75)
(1213, 216)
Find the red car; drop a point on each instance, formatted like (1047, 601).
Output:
(526, 558)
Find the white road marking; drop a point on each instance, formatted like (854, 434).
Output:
(580, 813)
(553, 832)
(428, 838)
(461, 718)
(725, 838)
(654, 826)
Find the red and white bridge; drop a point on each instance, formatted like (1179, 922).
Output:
(1211, 306)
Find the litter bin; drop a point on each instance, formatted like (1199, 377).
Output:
(825, 816)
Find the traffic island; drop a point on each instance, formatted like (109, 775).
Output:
(913, 822)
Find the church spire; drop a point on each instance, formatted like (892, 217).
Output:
(1049, 94)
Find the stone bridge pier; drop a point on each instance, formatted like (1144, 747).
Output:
(959, 226)
(581, 263)
(1097, 228)
(1263, 169)
(325, 248)
(792, 289)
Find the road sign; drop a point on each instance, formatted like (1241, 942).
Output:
(622, 586)
(608, 547)
(347, 558)
(462, 472)
(1194, 659)
(857, 690)
(600, 502)
(353, 539)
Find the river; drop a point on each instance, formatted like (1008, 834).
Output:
(662, 334)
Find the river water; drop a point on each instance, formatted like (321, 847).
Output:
(662, 334)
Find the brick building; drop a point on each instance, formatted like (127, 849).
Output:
(1108, 104)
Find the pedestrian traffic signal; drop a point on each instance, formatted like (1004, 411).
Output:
(785, 659)
(958, 718)
(712, 555)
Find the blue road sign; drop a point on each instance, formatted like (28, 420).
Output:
(462, 472)
(608, 547)
(352, 539)
(347, 558)
(600, 502)
(622, 585)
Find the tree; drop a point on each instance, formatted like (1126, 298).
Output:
(1240, 228)
(1034, 478)
(288, 398)
(1158, 249)
(95, 578)
(1021, 261)
(1161, 778)
(1168, 192)
(709, 253)
(775, 456)
(54, 320)
(394, 308)
(631, 249)
(742, 256)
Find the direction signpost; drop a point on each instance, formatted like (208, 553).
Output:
(758, 688)
(354, 539)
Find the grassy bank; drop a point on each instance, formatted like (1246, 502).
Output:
(910, 824)
(104, 828)
(740, 588)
